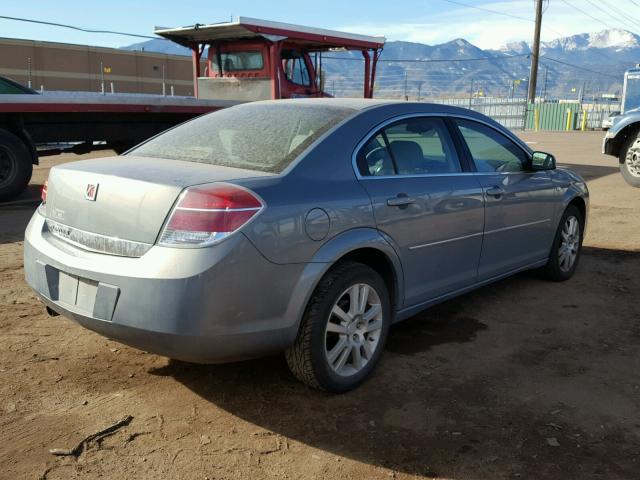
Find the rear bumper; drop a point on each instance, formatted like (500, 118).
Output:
(208, 305)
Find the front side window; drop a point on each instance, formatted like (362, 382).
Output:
(418, 146)
(491, 151)
(255, 136)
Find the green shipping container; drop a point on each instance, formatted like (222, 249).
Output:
(553, 116)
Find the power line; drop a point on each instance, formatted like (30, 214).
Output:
(587, 14)
(578, 67)
(618, 15)
(80, 29)
(437, 60)
(622, 13)
(488, 10)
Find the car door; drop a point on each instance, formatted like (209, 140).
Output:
(519, 202)
(423, 201)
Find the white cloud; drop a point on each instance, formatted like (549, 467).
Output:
(487, 30)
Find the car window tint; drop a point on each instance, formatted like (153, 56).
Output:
(418, 146)
(374, 159)
(491, 151)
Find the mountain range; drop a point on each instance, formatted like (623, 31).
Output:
(593, 63)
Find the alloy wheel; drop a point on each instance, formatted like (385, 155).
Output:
(569, 244)
(353, 330)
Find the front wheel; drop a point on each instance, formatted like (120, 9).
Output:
(630, 161)
(343, 330)
(567, 246)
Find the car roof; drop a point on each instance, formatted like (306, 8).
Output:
(368, 103)
(399, 107)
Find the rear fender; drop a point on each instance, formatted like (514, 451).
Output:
(328, 255)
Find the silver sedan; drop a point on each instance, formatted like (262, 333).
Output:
(304, 226)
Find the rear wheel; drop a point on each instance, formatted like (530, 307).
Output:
(567, 246)
(15, 166)
(343, 331)
(630, 161)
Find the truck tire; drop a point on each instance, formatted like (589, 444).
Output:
(630, 160)
(15, 166)
(121, 147)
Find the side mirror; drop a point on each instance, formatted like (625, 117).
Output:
(542, 161)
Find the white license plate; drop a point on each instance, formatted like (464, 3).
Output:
(77, 291)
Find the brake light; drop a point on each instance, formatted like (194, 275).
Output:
(43, 192)
(206, 214)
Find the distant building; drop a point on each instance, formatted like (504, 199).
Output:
(61, 66)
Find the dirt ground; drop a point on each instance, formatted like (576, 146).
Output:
(521, 379)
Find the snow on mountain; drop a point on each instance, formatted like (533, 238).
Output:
(614, 38)
(515, 48)
(608, 51)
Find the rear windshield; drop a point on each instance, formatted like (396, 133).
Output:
(234, 61)
(264, 137)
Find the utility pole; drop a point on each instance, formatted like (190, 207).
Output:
(406, 97)
(535, 54)
(471, 93)
(419, 90)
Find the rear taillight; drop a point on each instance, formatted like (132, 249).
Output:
(43, 192)
(206, 214)
(43, 197)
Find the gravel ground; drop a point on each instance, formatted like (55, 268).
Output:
(520, 379)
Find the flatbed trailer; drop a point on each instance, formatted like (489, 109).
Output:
(246, 59)
(82, 119)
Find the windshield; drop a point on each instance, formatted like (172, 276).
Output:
(265, 137)
(632, 92)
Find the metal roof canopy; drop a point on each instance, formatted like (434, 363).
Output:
(243, 28)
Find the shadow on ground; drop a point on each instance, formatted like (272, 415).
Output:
(592, 172)
(457, 394)
(15, 219)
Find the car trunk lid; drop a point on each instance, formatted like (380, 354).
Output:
(128, 197)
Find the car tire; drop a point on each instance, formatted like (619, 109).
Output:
(567, 246)
(630, 160)
(16, 167)
(338, 345)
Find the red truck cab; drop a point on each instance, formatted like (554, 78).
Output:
(250, 59)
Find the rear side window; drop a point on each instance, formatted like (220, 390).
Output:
(417, 146)
(491, 151)
(255, 136)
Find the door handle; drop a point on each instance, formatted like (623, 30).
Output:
(401, 200)
(495, 191)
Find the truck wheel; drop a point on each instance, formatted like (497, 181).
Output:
(15, 166)
(630, 161)
(121, 147)
(343, 330)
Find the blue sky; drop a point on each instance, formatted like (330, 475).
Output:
(427, 21)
